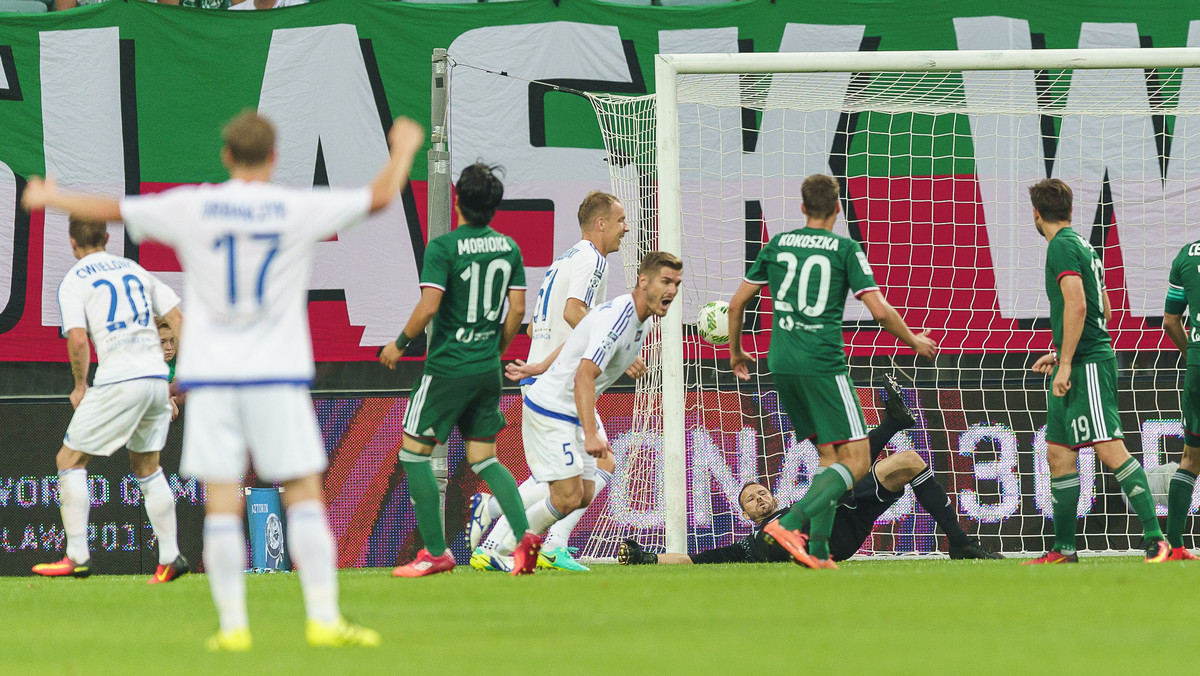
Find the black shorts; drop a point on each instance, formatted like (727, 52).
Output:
(857, 511)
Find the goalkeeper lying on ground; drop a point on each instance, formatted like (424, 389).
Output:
(857, 509)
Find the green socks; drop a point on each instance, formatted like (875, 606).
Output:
(818, 508)
(1179, 503)
(500, 481)
(422, 486)
(1064, 493)
(1133, 482)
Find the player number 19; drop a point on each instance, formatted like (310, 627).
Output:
(1080, 428)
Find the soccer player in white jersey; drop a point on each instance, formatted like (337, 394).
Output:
(574, 284)
(559, 428)
(112, 300)
(247, 250)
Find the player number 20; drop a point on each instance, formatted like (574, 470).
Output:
(1081, 429)
(821, 266)
(141, 315)
(492, 302)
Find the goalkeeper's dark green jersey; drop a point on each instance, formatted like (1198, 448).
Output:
(1069, 255)
(810, 272)
(475, 267)
(1183, 292)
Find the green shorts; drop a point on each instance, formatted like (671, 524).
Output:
(1088, 413)
(822, 406)
(438, 403)
(1190, 403)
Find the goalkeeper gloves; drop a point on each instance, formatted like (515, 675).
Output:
(630, 553)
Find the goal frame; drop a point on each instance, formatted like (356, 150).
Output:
(667, 68)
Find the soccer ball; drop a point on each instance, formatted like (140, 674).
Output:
(713, 322)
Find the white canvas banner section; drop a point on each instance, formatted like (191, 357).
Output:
(1008, 159)
(316, 91)
(81, 118)
(490, 118)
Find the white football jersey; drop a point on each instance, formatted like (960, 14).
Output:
(247, 253)
(579, 272)
(611, 336)
(116, 300)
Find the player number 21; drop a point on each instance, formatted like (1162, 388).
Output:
(269, 243)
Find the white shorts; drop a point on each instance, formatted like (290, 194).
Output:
(134, 413)
(273, 426)
(554, 448)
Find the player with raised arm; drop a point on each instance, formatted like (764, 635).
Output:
(810, 271)
(247, 250)
(1183, 292)
(112, 300)
(467, 276)
(560, 428)
(574, 284)
(1081, 406)
(857, 509)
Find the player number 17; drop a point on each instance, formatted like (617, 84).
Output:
(233, 244)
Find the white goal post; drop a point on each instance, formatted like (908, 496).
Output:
(974, 129)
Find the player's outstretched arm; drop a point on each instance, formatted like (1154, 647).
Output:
(585, 404)
(738, 358)
(512, 320)
(889, 319)
(1074, 314)
(41, 193)
(405, 138)
(422, 314)
(77, 352)
(1173, 327)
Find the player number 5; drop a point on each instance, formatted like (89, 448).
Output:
(570, 456)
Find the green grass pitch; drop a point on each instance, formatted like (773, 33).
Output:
(1105, 615)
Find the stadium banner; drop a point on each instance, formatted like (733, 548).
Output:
(128, 98)
(994, 472)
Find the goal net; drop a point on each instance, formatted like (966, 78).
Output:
(934, 153)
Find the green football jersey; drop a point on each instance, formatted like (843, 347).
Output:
(1069, 254)
(1183, 293)
(475, 267)
(810, 272)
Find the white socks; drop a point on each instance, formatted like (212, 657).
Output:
(160, 507)
(312, 548)
(224, 560)
(75, 502)
(560, 533)
(532, 491)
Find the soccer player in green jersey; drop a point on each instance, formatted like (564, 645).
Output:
(467, 275)
(809, 271)
(1184, 293)
(1081, 406)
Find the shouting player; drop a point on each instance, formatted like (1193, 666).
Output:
(574, 284)
(247, 250)
(857, 509)
(560, 428)
(467, 276)
(112, 300)
(1081, 406)
(810, 271)
(1184, 292)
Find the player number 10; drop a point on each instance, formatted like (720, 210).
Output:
(492, 302)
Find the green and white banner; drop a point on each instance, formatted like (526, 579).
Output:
(129, 98)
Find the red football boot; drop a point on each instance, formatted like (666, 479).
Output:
(426, 564)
